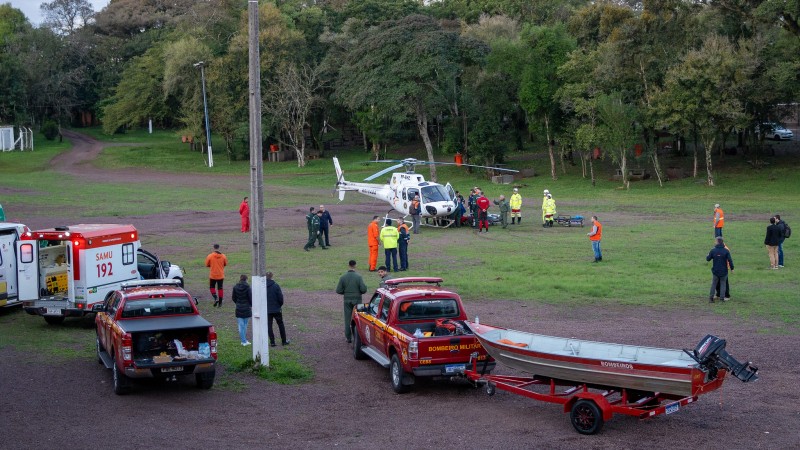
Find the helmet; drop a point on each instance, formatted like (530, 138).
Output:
(546, 192)
(516, 190)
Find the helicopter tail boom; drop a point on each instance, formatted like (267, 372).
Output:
(339, 177)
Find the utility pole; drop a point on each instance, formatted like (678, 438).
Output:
(259, 255)
(201, 65)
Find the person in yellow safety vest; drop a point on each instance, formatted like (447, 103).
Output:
(389, 235)
(719, 220)
(550, 210)
(516, 206)
(544, 206)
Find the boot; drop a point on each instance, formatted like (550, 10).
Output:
(512, 220)
(519, 219)
(215, 299)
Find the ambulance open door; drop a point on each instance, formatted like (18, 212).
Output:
(28, 270)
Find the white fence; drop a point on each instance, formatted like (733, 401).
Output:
(23, 142)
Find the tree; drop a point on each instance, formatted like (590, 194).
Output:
(66, 16)
(403, 68)
(616, 130)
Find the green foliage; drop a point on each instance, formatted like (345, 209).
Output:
(50, 130)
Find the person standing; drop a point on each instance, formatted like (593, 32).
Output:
(373, 236)
(544, 207)
(216, 262)
(772, 240)
(402, 244)
(719, 269)
(325, 221)
(783, 226)
(274, 305)
(550, 211)
(719, 220)
(459, 212)
(482, 203)
(415, 210)
(315, 234)
(594, 237)
(309, 219)
(244, 211)
(504, 209)
(727, 295)
(389, 237)
(383, 276)
(473, 208)
(516, 206)
(351, 286)
(242, 297)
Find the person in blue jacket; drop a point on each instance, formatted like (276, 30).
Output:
(719, 270)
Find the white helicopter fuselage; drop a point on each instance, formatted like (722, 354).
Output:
(436, 201)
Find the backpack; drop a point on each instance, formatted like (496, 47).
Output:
(787, 230)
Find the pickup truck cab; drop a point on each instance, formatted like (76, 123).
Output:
(152, 329)
(398, 329)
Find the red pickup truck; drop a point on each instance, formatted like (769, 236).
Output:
(152, 329)
(415, 328)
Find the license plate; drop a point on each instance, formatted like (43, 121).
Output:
(172, 369)
(453, 368)
(673, 408)
(56, 311)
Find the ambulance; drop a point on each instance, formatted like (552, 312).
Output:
(64, 271)
(10, 233)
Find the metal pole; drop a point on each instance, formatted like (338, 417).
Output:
(259, 255)
(205, 109)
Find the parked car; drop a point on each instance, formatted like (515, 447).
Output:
(775, 131)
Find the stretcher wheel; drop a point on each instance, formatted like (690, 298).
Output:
(586, 417)
(490, 389)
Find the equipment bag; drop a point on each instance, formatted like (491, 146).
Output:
(787, 230)
(447, 327)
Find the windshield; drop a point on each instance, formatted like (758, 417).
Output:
(436, 193)
(429, 309)
(163, 306)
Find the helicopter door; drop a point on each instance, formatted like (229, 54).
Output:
(412, 192)
(451, 192)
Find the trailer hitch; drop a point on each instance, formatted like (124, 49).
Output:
(710, 354)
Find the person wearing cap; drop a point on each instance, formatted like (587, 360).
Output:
(516, 207)
(325, 221)
(504, 208)
(389, 237)
(544, 206)
(719, 220)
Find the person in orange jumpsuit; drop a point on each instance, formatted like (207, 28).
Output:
(373, 241)
(216, 262)
(244, 211)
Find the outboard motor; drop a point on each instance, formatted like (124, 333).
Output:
(711, 355)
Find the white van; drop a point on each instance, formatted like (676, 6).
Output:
(9, 235)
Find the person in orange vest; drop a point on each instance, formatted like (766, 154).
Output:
(244, 211)
(595, 236)
(415, 210)
(719, 220)
(373, 235)
(216, 262)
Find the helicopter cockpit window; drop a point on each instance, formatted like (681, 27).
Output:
(435, 193)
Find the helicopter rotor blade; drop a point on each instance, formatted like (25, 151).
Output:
(386, 170)
(475, 165)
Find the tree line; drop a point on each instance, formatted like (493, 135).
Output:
(482, 77)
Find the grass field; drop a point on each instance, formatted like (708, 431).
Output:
(655, 238)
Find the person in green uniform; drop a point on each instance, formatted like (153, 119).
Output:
(504, 209)
(352, 287)
(309, 218)
(315, 234)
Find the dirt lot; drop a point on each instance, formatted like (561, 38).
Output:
(350, 404)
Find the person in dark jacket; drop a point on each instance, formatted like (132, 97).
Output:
(772, 241)
(243, 299)
(782, 225)
(325, 221)
(719, 270)
(309, 219)
(352, 287)
(315, 233)
(274, 304)
(402, 244)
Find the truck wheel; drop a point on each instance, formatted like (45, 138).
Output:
(122, 385)
(54, 320)
(205, 379)
(357, 352)
(586, 417)
(396, 374)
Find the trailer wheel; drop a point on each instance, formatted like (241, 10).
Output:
(490, 389)
(357, 352)
(396, 374)
(122, 385)
(586, 417)
(53, 320)
(205, 380)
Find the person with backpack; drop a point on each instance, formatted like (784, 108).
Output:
(786, 232)
(771, 241)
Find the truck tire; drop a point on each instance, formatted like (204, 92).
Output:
(54, 320)
(205, 379)
(396, 375)
(122, 384)
(357, 352)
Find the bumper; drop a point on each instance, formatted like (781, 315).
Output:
(447, 370)
(54, 308)
(168, 369)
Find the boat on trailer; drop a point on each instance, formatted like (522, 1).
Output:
(604, 378)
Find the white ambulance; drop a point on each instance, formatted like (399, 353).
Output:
(9, 235)
(63, 271)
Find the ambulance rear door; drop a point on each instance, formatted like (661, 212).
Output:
(8, 266)
(28, 270)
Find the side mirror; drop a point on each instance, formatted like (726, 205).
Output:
(98, 307)
(165, 266)
(362, 308)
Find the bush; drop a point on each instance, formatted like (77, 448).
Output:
(50, 130)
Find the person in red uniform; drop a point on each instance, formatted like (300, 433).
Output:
(483, 212)
(244, 211)
(373, 241)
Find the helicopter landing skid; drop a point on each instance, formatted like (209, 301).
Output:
(438, 222)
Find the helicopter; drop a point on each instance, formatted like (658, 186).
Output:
(437, 202)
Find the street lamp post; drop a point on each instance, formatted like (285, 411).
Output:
(205, 109)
